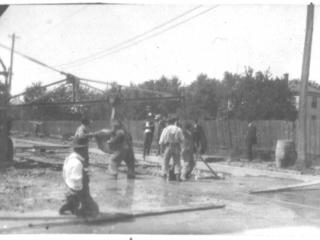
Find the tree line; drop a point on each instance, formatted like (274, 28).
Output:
(248, 96)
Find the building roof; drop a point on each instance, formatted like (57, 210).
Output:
(3, 8)
(313, 87)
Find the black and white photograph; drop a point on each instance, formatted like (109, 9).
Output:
(160, 119)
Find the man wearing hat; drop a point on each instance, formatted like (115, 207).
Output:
(171, 139)
(73, 175)
(121, 148)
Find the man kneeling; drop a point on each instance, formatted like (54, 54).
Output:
(73, 175)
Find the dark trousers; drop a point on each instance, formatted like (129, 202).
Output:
(72, 202)
(148, 137)
(125, 154)
(86, 157)
(249, 151)
(88, 206)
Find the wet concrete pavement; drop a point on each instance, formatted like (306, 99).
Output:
(243, 211)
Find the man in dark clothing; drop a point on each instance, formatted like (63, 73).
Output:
(121, 147)
(251, 139)
(199, 138)
(187, 152)
(83, 135)
(148, 135)
(159, 126)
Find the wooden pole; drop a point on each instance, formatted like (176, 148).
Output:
(11, 62)
(303, 161)
(4, 133)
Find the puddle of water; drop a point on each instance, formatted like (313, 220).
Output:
(147, 194)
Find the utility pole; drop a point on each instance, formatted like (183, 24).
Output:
(13, 38)
(5, 154)
(303, 161)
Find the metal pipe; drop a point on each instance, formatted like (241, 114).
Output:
(98, 101)
(45, 86)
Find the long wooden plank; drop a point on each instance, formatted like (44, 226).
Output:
(289, 187)
(42, 147)
(112, 217)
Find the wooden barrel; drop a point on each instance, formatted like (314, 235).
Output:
(102, 138)
(285, 153)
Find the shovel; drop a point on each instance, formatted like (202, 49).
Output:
(215, 175)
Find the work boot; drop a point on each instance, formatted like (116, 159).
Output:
(63, 209)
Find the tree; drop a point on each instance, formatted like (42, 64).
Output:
(203, 97)
(258, 96)
(137, 110)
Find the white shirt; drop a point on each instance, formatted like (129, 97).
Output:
(171, 134)
(73, 171)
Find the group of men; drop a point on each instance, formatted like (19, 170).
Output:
(75, 169)
(179, 143)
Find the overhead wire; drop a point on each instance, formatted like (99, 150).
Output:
(32, 59)
(133, 38)
(124, 86)
(59, 71)
(139, 41)
(66, 74)
(130, 45)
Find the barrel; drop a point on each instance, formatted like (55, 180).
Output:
(285, 153)
(102, 137)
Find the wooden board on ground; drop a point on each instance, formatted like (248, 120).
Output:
(54, 219)
(46, 147)
(289, 187)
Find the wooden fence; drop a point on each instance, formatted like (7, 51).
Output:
(220, 134)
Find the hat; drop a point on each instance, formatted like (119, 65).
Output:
(77, 143)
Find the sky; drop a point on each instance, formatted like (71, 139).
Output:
(209, 39)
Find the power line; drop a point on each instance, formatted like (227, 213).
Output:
(61, 72)
(68, 74)
(134, 43)
(132, 38)
(137, 42)
(32, 59)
